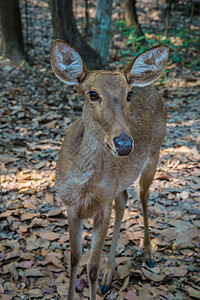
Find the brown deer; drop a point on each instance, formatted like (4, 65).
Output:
(117, 139)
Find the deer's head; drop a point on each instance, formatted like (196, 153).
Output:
(108, 94)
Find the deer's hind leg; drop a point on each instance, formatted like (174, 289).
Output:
(146, 179)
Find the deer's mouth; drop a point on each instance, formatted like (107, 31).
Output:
(114, 153)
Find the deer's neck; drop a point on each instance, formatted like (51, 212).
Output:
(91, 161)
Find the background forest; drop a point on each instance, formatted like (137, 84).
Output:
(35, 111)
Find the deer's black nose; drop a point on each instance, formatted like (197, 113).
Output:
(123, 144)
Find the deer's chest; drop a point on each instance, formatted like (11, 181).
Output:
(88, 200)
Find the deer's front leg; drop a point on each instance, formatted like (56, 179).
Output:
(75, 230)
(120, 204)
(101, 223)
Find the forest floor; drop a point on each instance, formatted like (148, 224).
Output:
(35, 112)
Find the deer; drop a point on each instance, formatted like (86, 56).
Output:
(116, 140)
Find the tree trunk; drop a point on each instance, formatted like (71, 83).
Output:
(168, 10)
(102, 29)
(131, 17)
(64, 27)
(86, 21)
(191, 14)
(13, 46)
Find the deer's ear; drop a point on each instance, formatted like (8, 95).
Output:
(66, 63)
(147, 67)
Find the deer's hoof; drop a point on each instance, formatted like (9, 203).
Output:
(150, 263)
(104, 289)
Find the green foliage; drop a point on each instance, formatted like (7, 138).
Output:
(181, 41)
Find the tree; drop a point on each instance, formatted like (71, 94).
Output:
(131, 17)
(13, 46)
(102, 29)
(168, 12)
(86, 21)
(64, 27)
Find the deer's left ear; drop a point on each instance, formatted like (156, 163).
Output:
(147, 67)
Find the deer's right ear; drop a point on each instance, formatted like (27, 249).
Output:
(67, 64)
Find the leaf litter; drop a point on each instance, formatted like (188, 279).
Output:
(34, 238)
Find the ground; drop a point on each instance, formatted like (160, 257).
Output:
(35, 111)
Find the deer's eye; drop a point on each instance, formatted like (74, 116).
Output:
(93, 96)
(129, 96)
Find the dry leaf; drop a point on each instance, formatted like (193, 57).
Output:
(50, 124)
(180, 225)
(123, 270)
(34, 272)
(49, 235)
(181, 271)
(26, 264)
(27, 216)
(130, 295)
(5, 158)
(40, 165)
(62, 278)
(125, 284)
(130, 235)
(80, 284)
(162, 176)
(193, 292)
(6, 297)
(184, 195)
(53, 258)
(35, 293)
(153, 276)
(49, 198)
(62, 289)
(13, 271)
(122, 259)
(54, 212)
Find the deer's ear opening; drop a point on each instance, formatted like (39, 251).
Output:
(147, 67)
(67, 64)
